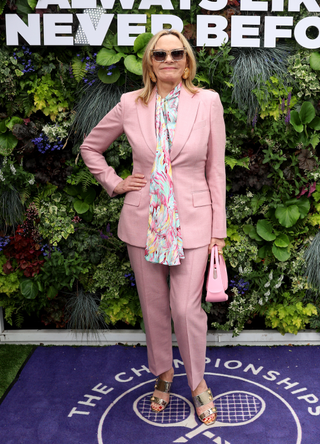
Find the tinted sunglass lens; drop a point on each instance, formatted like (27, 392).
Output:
(177, 55)
(159, 56)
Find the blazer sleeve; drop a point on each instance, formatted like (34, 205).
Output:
(215, 168)
(98, 141)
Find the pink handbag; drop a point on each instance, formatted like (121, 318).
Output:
(217, 281)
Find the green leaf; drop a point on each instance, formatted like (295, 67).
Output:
(303, 204)
(264, 251)
(32, 3)
(232, 233)
(107, 57)
(232, 162)
(282, 241)
(89, 195)
(73, 190)
(88, 216)
(252, 232)
(23, 7)
(141, 42)
(296, 122)
(202, 78)
(29, 288)
(80, 207)
(315, 124)
(315, 61)
(287, 216)
(13, 121)
(52, 292)
(3, 126)
(133, 64)
(282, 254)
(264, 229)
(316, 194)
(307, 113)
(108, 41)
(314, 141)
(48, 190)
(105, 76)
(78, 69)
(123, 49)
(314, 220)
(7, 143)
(256, 203)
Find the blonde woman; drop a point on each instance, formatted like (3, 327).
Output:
(174, 208)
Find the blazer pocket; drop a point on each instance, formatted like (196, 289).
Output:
(199, 125)
(132, 198)
(201, 198)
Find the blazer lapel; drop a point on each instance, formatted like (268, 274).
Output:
(146, 117)
(187, 112)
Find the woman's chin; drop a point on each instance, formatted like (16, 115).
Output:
(174, 80)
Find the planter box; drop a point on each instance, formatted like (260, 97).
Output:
(132, 337)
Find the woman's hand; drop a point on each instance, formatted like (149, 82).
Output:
(131, 183)
(216, 241)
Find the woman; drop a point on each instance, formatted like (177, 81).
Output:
(174, 209)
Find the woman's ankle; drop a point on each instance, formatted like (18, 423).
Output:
(201, 387)
(168, 375)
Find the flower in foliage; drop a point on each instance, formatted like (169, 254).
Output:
(25, 59)
(288, 117)
(254, 120)
(109, 234)
(131, 278)
(240, 284)
(43, 145)
(4, 240)
(48, 249)
(76, 219)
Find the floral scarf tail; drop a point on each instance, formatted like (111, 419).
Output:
(164, 241)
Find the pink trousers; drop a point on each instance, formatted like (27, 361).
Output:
(181, 300)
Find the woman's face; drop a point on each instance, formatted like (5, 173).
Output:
(169, 71)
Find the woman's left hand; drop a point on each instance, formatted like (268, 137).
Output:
(216, 241)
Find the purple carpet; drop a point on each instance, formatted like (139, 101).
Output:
(88, 395)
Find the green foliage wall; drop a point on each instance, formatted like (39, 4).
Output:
(58, 242)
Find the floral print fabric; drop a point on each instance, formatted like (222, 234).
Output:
(164, 241)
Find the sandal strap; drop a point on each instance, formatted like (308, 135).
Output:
(159, 401)
(204, 415)
(162, 386)
(203, 399)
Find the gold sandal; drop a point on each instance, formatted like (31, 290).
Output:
(162, 386)
(203, 399)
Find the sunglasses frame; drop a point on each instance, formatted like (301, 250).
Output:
(184, 49)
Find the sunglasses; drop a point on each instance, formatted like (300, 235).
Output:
(160, 55)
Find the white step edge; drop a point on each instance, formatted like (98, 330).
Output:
(133, 337)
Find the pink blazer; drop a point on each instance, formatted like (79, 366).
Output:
(197, 156)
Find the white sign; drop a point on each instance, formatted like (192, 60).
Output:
(57, 28)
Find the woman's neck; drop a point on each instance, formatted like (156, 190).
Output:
(165, 88)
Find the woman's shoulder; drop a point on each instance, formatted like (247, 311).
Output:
(131, 95)
(207, 94)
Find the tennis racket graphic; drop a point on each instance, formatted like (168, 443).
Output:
(179, 412)
(235, 408)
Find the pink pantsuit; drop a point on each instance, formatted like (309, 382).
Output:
(198, 170)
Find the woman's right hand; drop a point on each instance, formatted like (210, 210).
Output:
(131, 183)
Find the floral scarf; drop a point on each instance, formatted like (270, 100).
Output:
(164, 241)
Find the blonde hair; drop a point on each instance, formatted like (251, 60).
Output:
(146, 92)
